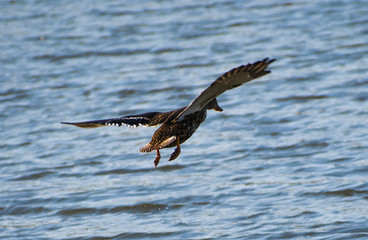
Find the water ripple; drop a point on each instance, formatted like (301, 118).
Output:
(341, 193)
(285, 160)
(134, 209)
(23, 210)
(56, 58)
(33, 176)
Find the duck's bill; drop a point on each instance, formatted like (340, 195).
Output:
(218, 109)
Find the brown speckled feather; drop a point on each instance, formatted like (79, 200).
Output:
(229, 80)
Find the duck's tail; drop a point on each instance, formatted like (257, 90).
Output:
(147, 148)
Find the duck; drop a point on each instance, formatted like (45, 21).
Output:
(179, 125)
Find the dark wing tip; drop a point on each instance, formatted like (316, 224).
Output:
(68, 123)
(258, 69)
(90, 124)
(268, 61)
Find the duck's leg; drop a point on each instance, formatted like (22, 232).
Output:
(177, 150)
(158, 157)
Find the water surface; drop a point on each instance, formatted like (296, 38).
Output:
(287, 159)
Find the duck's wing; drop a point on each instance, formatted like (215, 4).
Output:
(146, 119)
(229, 80)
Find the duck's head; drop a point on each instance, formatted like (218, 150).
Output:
(214, 105)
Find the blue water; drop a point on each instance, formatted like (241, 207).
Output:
(287, 159)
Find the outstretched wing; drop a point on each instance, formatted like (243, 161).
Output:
(145, 119)
(231, 79)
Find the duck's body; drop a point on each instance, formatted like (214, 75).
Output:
(180, 124)
(172, 133)
(168, 133)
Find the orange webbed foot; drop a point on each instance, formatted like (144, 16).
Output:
(157, 159)
(177, 150)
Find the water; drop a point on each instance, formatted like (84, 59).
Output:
(287, 159)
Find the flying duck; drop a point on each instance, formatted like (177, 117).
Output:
(180, 124)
